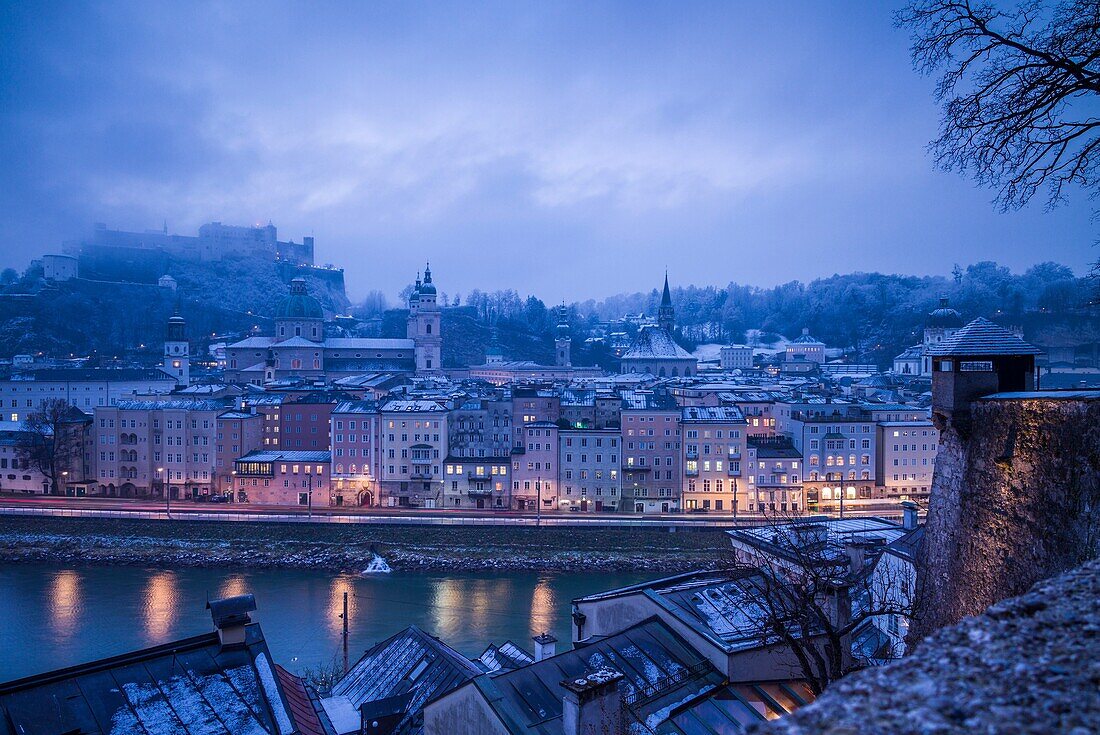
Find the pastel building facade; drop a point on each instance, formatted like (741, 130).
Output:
(356, 452)
(414, 446)
(535, 467)
(907, 458)
(150, 448)
(267, 477)
(714, 448)
(239, 432)
(651, 452)
(479, 461)
(589, 469)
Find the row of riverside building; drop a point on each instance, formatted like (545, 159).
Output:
(303, 419)
(554, 448)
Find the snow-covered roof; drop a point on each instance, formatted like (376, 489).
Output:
(253, 342)
(652, 342)
(399, 406)
(193, 686)
(368, 343)
(411, 663)
(983, 337)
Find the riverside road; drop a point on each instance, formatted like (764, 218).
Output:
(90, 507)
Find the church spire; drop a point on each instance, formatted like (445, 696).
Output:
(666, 316)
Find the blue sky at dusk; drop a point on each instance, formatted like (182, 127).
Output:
(570, 150)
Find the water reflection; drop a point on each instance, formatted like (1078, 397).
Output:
(542, 607)
(66, 600)
(233, 585)
(43, 609)
(446, 598)
(160, 606)
(337, 587)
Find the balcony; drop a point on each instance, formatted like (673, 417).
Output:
(421, 460)
(732, 471)
(692, 454)
(475, 475)
(734, 455)
(691, 472)
(421, 473)
(477, 491)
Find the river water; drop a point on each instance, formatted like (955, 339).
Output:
(53, 616)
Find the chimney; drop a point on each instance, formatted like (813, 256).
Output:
(909, 515)
(544, 646)
(591, 704)
(856, 549)
(230, 616)
(860, 549)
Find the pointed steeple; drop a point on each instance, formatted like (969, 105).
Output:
(666, 316)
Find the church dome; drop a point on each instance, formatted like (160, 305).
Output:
(427, 288)
(945, 317)
(299, 304)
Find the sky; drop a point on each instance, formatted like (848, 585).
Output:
(570, 150)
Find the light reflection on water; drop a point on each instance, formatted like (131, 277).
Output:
(65, 603)
(93, 612)
(161, 606)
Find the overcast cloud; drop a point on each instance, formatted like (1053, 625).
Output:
(566, 150)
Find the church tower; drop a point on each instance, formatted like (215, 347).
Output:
(177, 360)
(562, 342)
(666, 317)
(423, 325)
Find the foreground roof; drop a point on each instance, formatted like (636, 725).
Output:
(396, 677)
(529, 699)
(191, 687)
(983, 337)
(667, 686)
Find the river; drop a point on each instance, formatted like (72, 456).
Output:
(58, 615)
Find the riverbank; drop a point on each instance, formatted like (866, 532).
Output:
(350, 548)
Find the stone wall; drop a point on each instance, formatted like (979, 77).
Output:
(1014, 500)
(1030, 664)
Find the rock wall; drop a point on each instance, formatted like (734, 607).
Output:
(1028, 665)
(1015, 499)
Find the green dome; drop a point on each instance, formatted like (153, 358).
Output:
(299, 304)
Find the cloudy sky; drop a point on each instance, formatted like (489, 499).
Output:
(567, 150)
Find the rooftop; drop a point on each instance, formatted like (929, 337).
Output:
(94, 374)
(712, 414)
(652, 342)
(265, 455)
(192, 686)
(400, 674)
(983, 337)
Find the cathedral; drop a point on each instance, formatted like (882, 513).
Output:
(299, 347)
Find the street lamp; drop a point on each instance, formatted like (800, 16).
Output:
(64, 482)
(309, 496)
(164, 489)
(538, 502)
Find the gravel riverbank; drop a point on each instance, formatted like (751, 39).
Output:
(351, 548)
